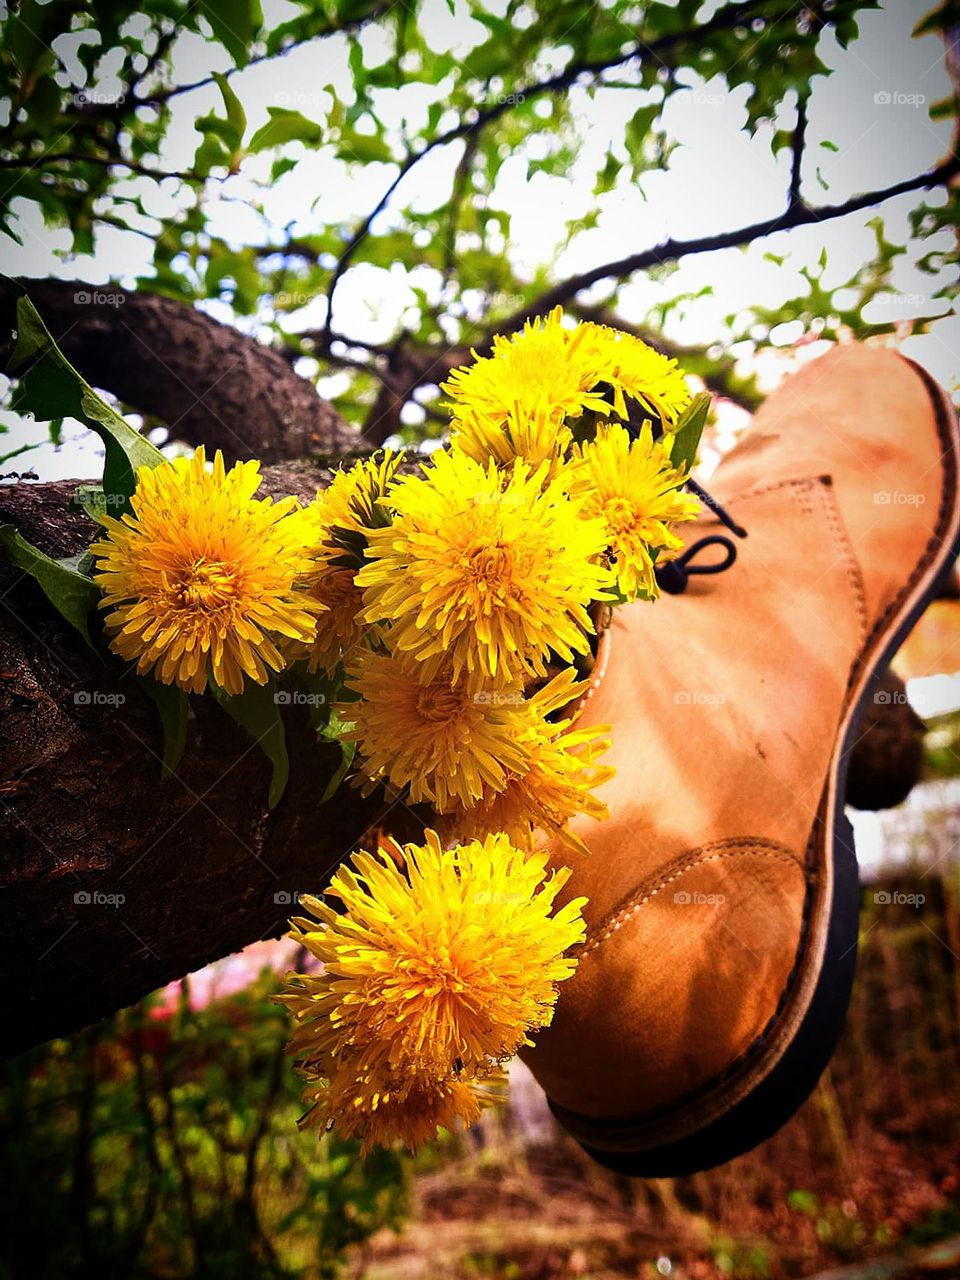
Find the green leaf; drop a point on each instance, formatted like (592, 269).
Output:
(335, 726)
(638, 127)
(234, 23)
(236, 116)
(49, 387)
(257, 710)
(172, 706)
(367, 148)
(686, 436)
(285, 125)
(71, 593)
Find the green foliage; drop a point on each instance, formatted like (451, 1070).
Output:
(257, 710)
(686, 437)
(71, 592)
(51, 389)
(94, 93)
(168, 1146)
(173, 709)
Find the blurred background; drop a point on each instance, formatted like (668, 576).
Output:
(275, 229)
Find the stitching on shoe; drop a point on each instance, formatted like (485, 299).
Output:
(947, 494)
(760, 1040)
(771, 486)
(842, 543)
(716, 851)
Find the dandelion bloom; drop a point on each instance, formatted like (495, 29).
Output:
(350, 506)
(558, 779)
(634, 370)
(440, 965)
(202, 579)
(444, 744)
(335, 528)
(412, 1112)
(632, 487)
(484, 573)
(515, 402)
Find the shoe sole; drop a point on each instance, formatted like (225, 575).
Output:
(783, 1068)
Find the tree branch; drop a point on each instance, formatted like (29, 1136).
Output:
(198, 860)
(797, 150)
(671, 250)
(730, 16)
(207, 382)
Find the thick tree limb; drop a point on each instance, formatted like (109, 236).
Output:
(199, 860)
(205, 381)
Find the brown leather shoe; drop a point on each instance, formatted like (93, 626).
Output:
(722, 922)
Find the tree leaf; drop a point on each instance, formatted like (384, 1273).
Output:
(234, 23)
(49, 387)
(236, 116)
(173, 707)
(332, 731)
(686, 437)
(285, 125)
(258, 711)
(71, 593)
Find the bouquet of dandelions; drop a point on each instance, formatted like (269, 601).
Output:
(450, 603)
(460, 600)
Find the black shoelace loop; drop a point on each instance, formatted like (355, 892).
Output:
(674, 576)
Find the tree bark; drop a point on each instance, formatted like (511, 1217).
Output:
(198, 860)
(205, 381)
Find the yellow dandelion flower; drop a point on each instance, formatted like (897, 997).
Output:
(440, 964)
(412, 1117)
(558, 781)
(334, 529)
(633, 370)
(339, 627)
(351, 505)
(447, 745)
(483, 573)
(632, 487)
(513, 403)
(202, 580)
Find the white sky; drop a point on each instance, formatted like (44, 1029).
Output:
(718, 178)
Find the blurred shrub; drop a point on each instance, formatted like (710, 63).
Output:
(166, 1144)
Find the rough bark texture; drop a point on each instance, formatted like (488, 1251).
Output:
(199, 860)
(205, 381)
